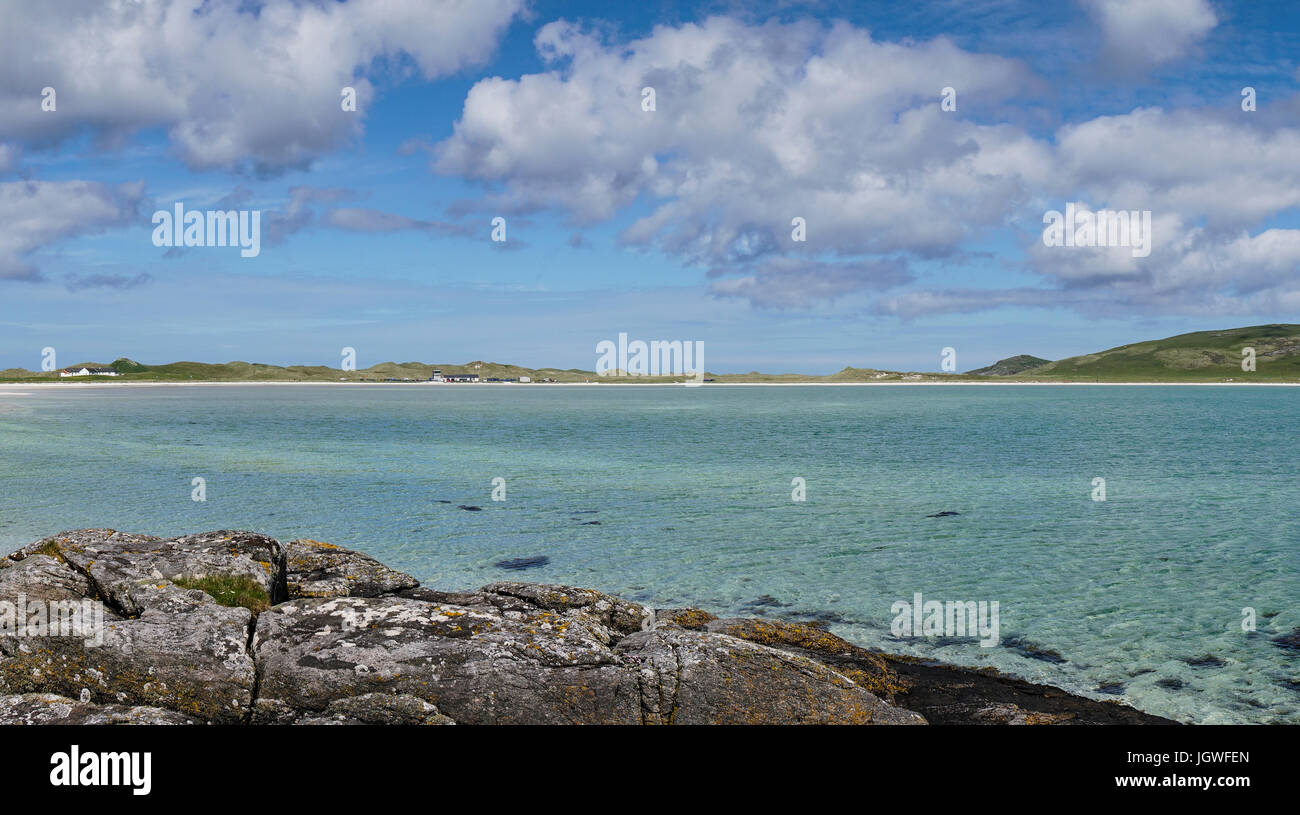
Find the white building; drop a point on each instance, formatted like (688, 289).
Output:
(87, 371)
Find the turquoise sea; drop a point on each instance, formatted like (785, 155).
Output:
(1138, 598)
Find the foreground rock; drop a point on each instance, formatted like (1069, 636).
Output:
(159, 644)
(231, 627)
(49, 708)
(316, 569)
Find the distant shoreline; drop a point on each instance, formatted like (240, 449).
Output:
(7, 387)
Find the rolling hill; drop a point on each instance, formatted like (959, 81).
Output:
(1202, 355)
(1010, 366)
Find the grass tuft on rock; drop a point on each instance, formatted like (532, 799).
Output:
(50, 548)
(230, 590)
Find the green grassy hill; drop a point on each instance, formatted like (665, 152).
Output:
(1200, 356)
(1010, 366)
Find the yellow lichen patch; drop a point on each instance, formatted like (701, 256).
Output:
(318, 544)
(690, 618)
(885, 685)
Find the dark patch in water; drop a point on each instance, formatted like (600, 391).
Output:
(1171, 683)
(518, 564)
(1026, 648)
(1206, 661)
(1111, 688)
(943, 514)
(1291, 684)
(766, 601)
(590, 523)
(443, 501)
(470, 508)
(1141, 671)
(585, 511)
(943, 642)
(1290, 642)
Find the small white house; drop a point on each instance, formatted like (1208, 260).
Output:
(525, 379)
(87, 371)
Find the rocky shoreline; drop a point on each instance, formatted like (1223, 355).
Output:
(238, 628)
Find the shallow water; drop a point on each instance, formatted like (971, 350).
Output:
(692, 491)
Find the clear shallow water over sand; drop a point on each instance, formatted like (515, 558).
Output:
(692, 491)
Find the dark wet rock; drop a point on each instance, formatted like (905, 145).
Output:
(950, 694)
(518, 564)
(1032, 650)
(470, 508)
(1171, 683)
(946, 513)
(1013, 714)
(317, 569)
(49, 708)
(1206, 661)
(1111, 688)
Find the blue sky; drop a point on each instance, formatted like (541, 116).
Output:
(923, 225)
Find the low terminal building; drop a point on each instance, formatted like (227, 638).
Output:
(439, 376)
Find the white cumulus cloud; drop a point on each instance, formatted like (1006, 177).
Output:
(234, 84)
(1141, 34)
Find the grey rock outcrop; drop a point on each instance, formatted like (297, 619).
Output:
(234, 627)
(318, 569)
(159, 644)
(699, 677)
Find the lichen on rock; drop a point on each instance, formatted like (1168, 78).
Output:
(235, 627)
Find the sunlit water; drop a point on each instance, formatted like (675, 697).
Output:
(692, 491)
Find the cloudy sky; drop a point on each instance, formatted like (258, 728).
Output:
(923, 225)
